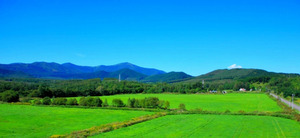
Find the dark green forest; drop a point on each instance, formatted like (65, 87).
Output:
(12, 88)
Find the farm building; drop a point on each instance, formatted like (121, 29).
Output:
(242, 90)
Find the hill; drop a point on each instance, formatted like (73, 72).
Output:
(235, 74)
(168, 77)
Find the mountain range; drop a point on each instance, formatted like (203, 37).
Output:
(127, 71)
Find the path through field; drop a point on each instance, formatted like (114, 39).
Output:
(297, 107)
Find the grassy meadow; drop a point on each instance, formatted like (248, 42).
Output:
(42, 121)
(212, 102)
(210, 126)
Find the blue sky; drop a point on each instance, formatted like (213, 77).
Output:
(191, 36)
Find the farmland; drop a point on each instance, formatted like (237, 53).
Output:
(211, 102)
(37, 121)
(210, 126)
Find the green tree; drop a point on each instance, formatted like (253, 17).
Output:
(46, 101)
(82, 101)
(117, 103)
(37, 102)
(72, 101)
(9, 96)
(59, 101)
(131, 102)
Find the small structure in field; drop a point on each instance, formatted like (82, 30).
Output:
(213, 91)
(224, 92)
(242, 90)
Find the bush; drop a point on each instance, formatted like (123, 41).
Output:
(227, 111)
(72, 101)
(131, 103)
(82, 101)
(26, 99)
(242, 112)
(59, 101)
(167, 105)
(9, 96)
(182, 107)
(117, 103)
(90, 101)
(46, 101)
(151, 102)
(37, 102)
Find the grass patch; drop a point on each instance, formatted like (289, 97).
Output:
(44, 121)
(210, 102)
(196, 125)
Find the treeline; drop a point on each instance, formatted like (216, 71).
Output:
(97, 87)
(285, 86)
(148, 102)
(92, 87)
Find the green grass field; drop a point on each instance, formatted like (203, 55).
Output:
(36, 121)
(211, 102)
(210, 126)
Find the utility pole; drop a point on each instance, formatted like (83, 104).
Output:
(293, 95)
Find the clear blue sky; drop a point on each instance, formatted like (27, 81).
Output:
(191, 36)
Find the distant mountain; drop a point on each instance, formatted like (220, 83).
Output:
(125, 74)
(234, 74)
(82, 69)
(13, 74)
(71, 71)
(39, 69)
(168, 77)
(126, 65)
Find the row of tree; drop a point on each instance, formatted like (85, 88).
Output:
(148, 102)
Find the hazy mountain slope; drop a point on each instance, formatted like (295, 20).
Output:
(127, 74)
(168, 77)
(39, 69)
(126, 65)
(49, 70)
(13, 74)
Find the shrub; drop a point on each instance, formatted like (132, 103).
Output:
(131, 103)
(227, 111)
(105, 104)
(26, 99)
(46, 101)
(72, 101)
(242, 112)
(182, 107)
(167, 105)
(9, 96)
(117, 103)
(90, 101)
(82, 101)
(161, 104)
(137, 104)
(151, 102)
(59, 101)
(37, 102)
